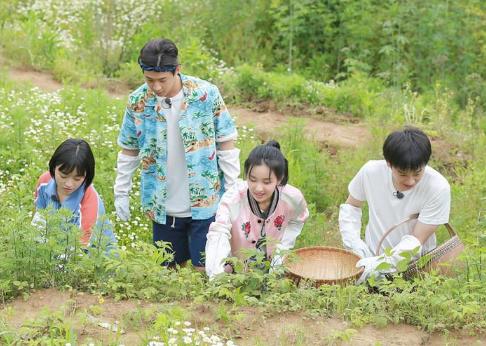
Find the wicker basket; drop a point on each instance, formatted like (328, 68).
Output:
(323, 265)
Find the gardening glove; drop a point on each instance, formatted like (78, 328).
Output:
(125, 167)
(350, 227)
(229, 163)
(40, 223)
(218, 248)
(287, 242)
(401, 254)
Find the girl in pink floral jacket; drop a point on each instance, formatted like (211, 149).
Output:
(263, 212)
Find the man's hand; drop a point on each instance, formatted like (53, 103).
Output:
(122, 207)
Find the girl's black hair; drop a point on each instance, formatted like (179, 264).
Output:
(159, 53)
(74, 154)
(270, 155)
(407, 149)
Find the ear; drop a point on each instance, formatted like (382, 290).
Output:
(178, 69)
(388, 164)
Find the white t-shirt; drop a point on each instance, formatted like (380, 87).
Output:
(430, 198)
(178, 202)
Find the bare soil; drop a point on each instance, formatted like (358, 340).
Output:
(247, 326)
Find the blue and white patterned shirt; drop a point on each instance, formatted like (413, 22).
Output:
(204, 121)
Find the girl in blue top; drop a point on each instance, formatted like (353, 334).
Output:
(68, 184)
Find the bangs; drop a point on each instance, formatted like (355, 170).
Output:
(69, 167)
(411, 161)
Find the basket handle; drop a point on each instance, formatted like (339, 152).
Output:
(451, 231)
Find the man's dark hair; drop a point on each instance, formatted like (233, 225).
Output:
(159, 53)
(407, 149)
(74, 154)
(270, 155)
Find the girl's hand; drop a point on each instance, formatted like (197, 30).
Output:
(228, 268)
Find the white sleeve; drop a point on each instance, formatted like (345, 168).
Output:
(356, 186)
(218, 248)
(229, 164)
(218, 245)
(289, 237)
(437, 208)
(292, 231)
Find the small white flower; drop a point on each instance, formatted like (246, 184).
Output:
(156, 343)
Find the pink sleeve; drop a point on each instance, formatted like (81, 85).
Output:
(88, 214)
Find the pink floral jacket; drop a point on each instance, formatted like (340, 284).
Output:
(236, 227)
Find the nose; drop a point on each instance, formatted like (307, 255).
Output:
(156, 86)
(259, 188)
(410, 181)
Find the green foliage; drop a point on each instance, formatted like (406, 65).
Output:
(393, 63)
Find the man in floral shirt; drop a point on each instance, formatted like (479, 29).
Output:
(180, 129)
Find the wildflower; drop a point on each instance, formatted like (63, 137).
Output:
(156, 343)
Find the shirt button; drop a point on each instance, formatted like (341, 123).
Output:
(253, 241)
(259, 221)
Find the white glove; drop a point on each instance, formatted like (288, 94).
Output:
(350, 227)
(229, 163)
(291, 232)
(407, 248)
(40, 223)
(218, 248)
(125, 167)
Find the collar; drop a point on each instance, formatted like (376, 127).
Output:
(51, 191)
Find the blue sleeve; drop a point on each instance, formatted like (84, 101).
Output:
(127, 138)
(223, 123)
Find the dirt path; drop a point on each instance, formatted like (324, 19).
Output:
(245, 326)
(329, 134)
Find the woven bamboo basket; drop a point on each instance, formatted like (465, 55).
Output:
(324, 265)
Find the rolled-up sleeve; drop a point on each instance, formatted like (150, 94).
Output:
(127, 138)
(224, 125)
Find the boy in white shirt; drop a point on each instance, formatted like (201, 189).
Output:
(395, 188)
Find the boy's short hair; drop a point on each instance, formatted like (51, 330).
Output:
(74, 154)
(160, 55)
(407, 149)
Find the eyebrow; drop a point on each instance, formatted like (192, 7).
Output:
(264, 179)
